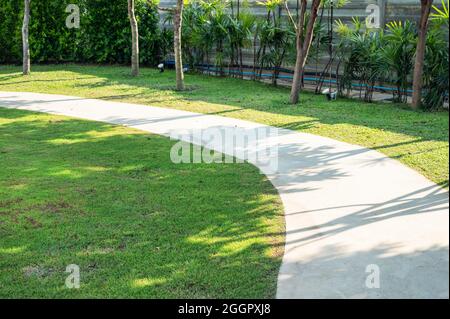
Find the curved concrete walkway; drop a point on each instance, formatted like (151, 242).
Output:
(350, 212)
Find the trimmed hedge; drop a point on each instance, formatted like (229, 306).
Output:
(104, 35)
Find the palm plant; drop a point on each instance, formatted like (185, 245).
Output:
(372, 65)
(264, 26)
(275, 39)
(200, 32)
(189, 31)
(359, 54)
(246, 23)
(323, 40)
(280, 39)
(441, 15)
(203, 38)
(256, 38)
(399, 55)
(219, 28)
(436, 66)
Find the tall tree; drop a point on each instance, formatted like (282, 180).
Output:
(177, 24)
(134, 39)
(25, 43)
(420, 52)
(303, 43)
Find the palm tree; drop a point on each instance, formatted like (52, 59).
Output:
(177, 24)
(25, 43)
(420, 52)
(134, 39)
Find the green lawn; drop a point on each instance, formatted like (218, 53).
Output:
(109, 199)
(417, 139)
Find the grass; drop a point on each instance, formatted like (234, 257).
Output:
(109, 199)
(417, 139)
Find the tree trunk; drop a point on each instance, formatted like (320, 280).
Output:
(310, 30)
(25, 44)
(297, 79)
(420, 52)
(134, 39)
(238, 8)
(254, 55)
(177, 24)
(241, 64)
(303, 46)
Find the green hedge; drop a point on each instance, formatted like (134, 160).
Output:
(104, 35)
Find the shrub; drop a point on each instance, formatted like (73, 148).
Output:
(361, 58)
(435, 73)
(104, 35)
(399, 54)
(436, 76)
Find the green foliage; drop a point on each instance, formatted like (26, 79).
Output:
(197, 35)
(155, 43)
(210, 27)
(360, 56)
(399, 55)
(336, 3)
(50, 39)
(214, 34)
(436, 77)
(104, 35)
(441, 15)
(10, 36)
(370, 57)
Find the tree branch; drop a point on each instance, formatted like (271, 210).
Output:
(290, 15)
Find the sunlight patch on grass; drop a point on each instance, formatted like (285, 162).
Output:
(67, 173)
(146, 282)
(95, 251)
(65, 141)
(13, 250)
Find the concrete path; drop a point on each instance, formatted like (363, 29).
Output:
(351, 213)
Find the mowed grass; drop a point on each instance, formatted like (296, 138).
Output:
(109, 199)
(417, 139)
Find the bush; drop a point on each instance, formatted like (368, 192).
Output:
(399, 53)
(10, 36)
(435, 73)
(361, 59)
(436, 76)
(104, 35)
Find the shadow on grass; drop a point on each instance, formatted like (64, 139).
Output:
(157, 88)
(418, 139)
(109, 200)
(241, 94)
